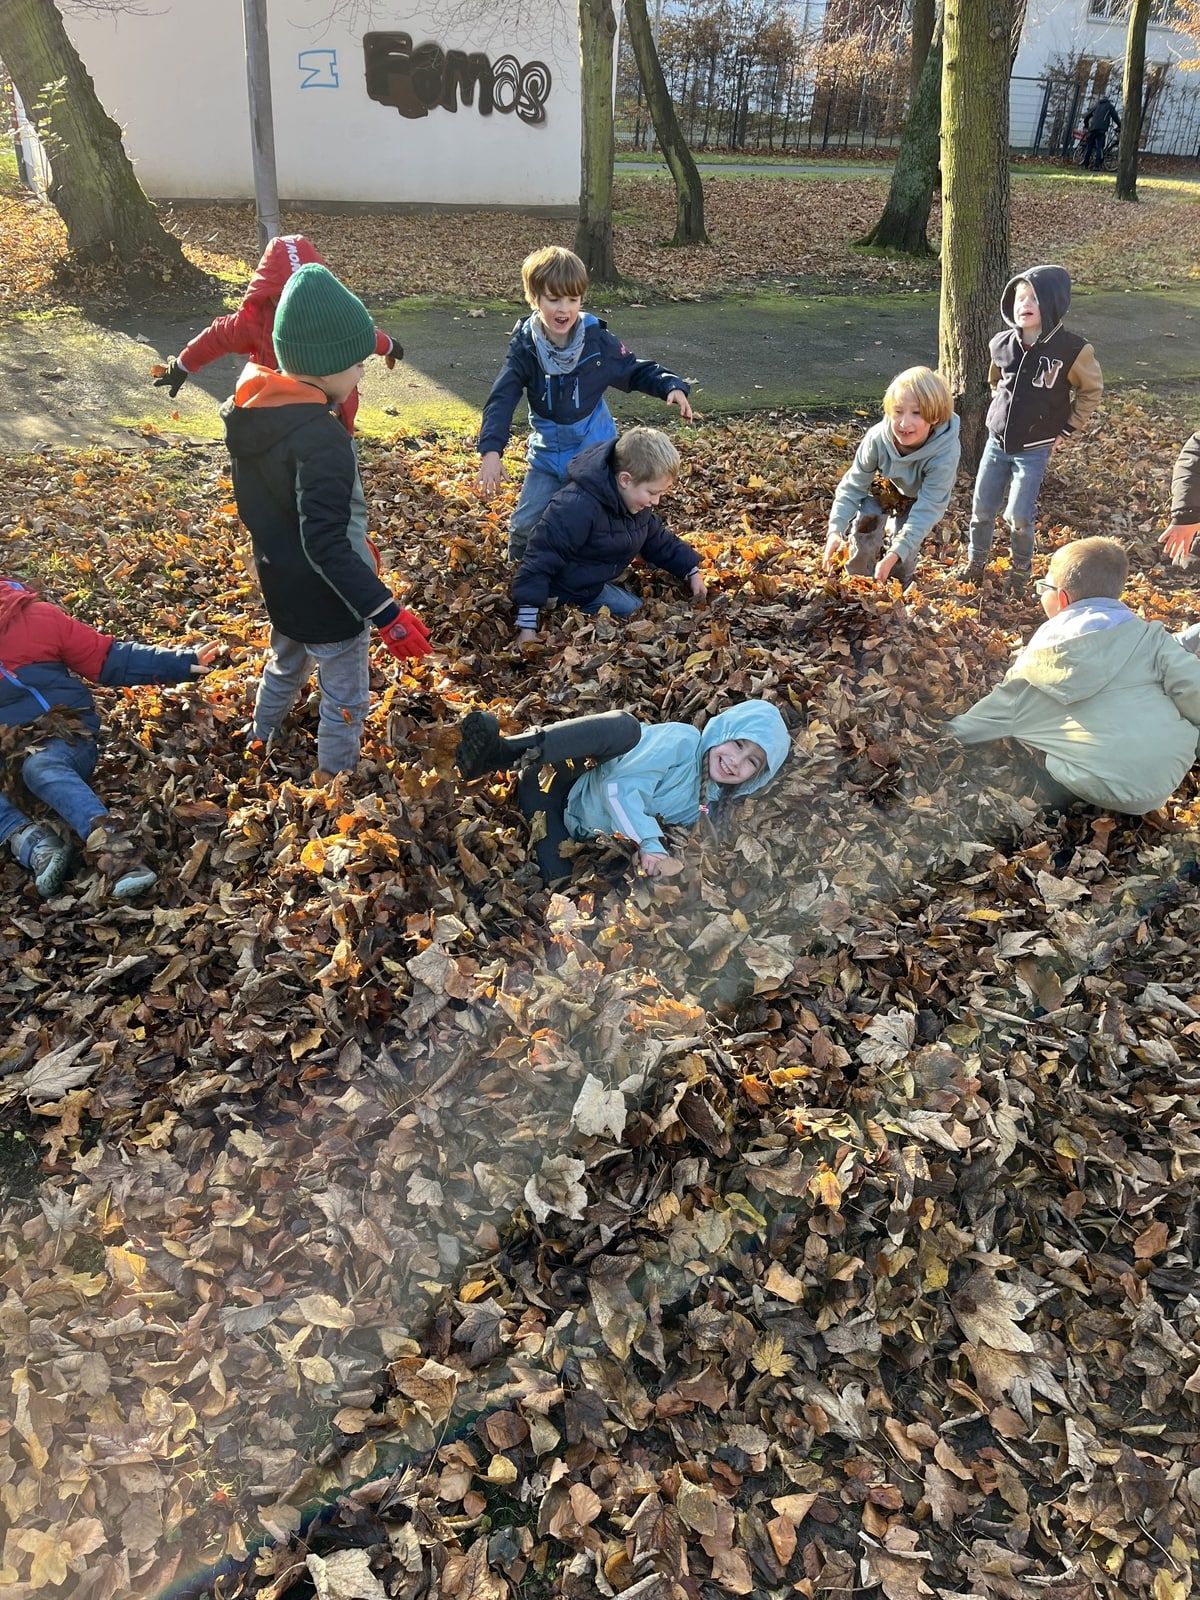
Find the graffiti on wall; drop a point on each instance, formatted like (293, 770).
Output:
(319, 68)
(417, 79)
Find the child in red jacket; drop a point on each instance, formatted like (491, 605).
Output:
(247, 331)
(44, 655)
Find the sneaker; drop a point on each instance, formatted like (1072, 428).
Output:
(972, 572)
(46, 856)
(480, 746)
(1018, 580)
(118, 862)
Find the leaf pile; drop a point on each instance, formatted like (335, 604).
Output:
(762, 229)
(822, 1218)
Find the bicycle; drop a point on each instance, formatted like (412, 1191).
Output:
(1108, 153)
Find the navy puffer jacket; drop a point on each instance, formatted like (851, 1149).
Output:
(587, 537)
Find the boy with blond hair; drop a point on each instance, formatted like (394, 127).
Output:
(1111, 702)
(563, 359)
(594, 527)
(900, 481)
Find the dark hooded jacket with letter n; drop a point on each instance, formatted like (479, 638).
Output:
(1053, 386)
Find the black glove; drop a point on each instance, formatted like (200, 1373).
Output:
(173, 378)
(396, 353)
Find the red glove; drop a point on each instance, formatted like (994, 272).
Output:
(406, 635)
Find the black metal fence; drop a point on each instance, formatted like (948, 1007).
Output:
(828, 114)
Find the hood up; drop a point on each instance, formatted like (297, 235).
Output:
(757, 720)
(1052, 285)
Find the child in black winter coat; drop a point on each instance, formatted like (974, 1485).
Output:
(592, 529)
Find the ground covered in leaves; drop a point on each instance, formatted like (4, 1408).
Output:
(824, 1220)
(763, 230)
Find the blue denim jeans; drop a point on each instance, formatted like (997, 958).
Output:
(619, 601)
(344, 677)
(536, 494)
(1016, 479)
(57, 774)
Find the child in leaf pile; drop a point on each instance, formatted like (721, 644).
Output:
(899, 484)
(248, 330)
(563, 359)
(640, 777)
(1109, 703)
(295, 477)
(44, 656)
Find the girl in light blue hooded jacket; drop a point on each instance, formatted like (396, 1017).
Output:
(642, 777)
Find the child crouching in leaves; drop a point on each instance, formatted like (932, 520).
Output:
(44, 653)
(899, 484)
(641, 776)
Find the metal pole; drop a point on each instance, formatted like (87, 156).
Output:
(262, 128)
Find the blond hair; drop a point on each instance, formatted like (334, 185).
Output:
(553, 271)
(928, 388)
(646, 454)
(1088, 568)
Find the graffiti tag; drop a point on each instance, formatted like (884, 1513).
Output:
(415, 80)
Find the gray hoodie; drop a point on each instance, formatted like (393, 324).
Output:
(925, 476)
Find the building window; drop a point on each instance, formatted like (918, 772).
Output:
(1163, 13)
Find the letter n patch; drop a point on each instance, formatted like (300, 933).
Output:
(1047, 373)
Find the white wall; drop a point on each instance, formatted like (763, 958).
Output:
(175, 80)
(1063, 29)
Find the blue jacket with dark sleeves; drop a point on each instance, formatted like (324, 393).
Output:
(566, 413)
(587, 537)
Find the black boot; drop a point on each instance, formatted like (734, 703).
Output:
(482, 748)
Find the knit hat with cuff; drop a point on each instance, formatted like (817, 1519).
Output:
(320, 327)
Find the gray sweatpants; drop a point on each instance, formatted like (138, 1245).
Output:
(344, 678)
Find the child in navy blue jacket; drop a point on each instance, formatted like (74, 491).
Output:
(594, 527)
(563, 359)
(44, 654)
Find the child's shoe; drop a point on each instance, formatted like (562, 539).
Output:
(972, 572)
(1018, 580)
(480, 746)
(118, 862)
(46, 856)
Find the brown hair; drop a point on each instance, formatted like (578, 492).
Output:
(928, 388)
(553, 270)
(1086, 568)
(646, 454)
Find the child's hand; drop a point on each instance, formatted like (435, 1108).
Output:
(527, 635)
(405, 636)
(1056, 444)
(206, 656)
(396, 353)
(885, 567)
(836, 549)
(656, 866)
(678, 398)
(491, 474)
(1177, 541)
(697, 585)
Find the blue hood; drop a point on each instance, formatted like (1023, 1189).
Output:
(757, 720)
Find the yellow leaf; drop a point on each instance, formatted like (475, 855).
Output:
(769, 1356)
(306, 1042)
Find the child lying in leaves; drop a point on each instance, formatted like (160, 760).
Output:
(642, 776)
(44, 653)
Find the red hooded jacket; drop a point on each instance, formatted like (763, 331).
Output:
(247, 331)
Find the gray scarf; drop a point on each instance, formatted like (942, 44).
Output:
(556, 360)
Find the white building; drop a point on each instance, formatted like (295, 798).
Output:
(1078, 48)
(382, 103)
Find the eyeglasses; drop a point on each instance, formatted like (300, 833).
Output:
(1044, 586)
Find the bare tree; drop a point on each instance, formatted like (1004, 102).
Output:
(905, 216)
(1133, 84)
(975, 200)
(689, 191)
(93, 186)
(594, 230)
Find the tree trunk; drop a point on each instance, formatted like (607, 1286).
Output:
(924, 14)
(93, 187)
(689, 191)
(593, 234)
(1132, 89)
(914, 177)
(975, 202)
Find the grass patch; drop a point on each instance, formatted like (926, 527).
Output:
(10, 183)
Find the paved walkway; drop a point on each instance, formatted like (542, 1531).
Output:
(65, 380)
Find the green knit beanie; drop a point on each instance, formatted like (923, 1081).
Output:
(320, 327)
